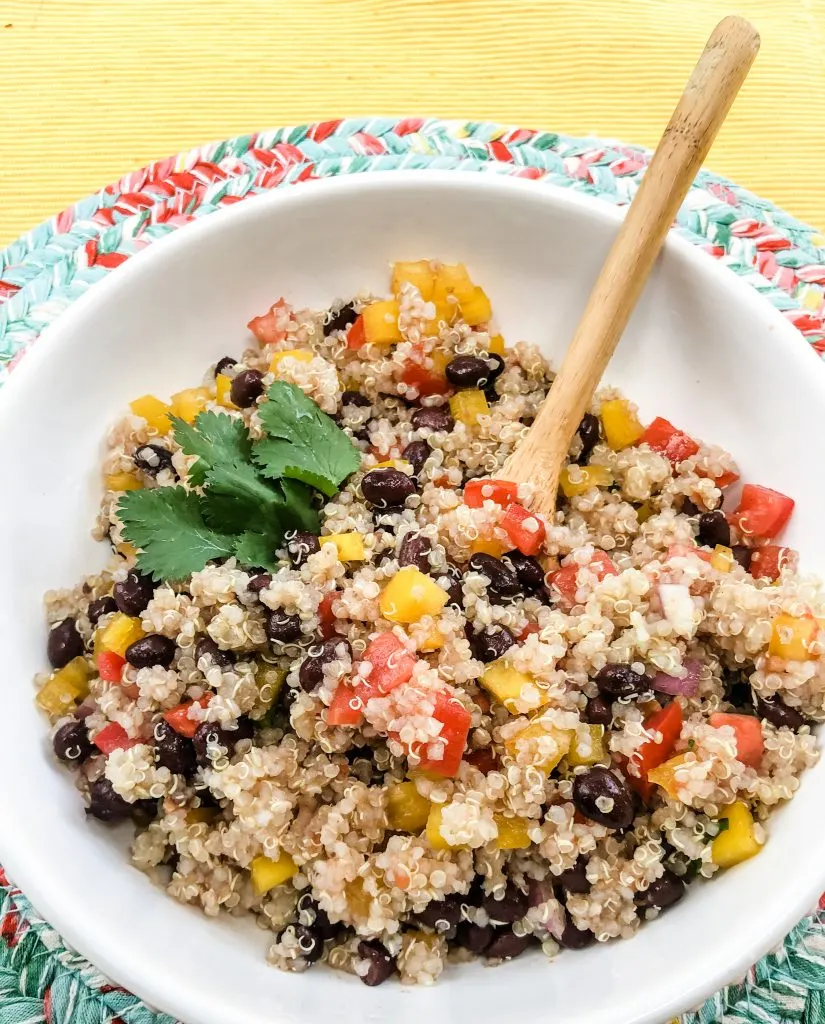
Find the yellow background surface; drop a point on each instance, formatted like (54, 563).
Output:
(93, 88)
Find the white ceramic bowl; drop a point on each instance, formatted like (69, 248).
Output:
(702, 350)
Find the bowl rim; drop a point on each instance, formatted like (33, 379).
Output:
(52, 898)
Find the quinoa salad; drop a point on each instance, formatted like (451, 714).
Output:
(339, 677)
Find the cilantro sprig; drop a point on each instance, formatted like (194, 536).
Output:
(242, 496)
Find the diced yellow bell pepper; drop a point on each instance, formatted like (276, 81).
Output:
(580, 479)
(301, 355)
(270, 682)
(512, 833)
(737, 842)
(350, 546)
(122, 482)
(189, 402)
(434, 836)
(267, 873)
(401, 464)
(381, 322)
(791, 637)
(155, 412)
(644, 511)
(453, 279)
(418, 273)
(496, 345)
(126, 549)
(506, 683)
(446, 312)
(223, 387)
(440, 360)
(488, 546)
(121, 631)
(434, 641)
(577, 755)
(476, 309)
(467, 406)
(407, 810)
(201, 815)
(535, 730)
(67, 686)
(665, 774)
(410, 595)
(620, 424)
(722, 558)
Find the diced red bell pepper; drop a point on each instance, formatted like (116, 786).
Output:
(178, 717)
(114, 737)
(671, 442)
(425, 381)
(502, 492)
(484, 760)
(110, 666)
(455, 725)
(341, 711)
(327, 616)
(748, 729)
(564, 579)
(769, 561)
(652, 753)
(726, 479)
(684, 550)
(529, 630)
(270, 327)
(524, 529)
(762, 512)
(392, 664)
(355, 335)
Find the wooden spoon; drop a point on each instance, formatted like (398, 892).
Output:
(708, 95)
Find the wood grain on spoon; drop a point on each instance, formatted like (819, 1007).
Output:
(709, 93)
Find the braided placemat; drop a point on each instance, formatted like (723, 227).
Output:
(43, 272)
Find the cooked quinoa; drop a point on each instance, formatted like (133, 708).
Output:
(456, 729)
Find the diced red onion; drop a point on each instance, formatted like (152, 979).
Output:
(688, 686)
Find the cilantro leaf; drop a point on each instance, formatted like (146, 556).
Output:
(303, 443)
(216, 439)
(299, 510)
(166, 524)
(258, 549)
(236, 499)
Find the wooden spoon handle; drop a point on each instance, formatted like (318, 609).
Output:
(715, 81)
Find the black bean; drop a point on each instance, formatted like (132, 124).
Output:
(737, 688)
(224, 364)
(454, 590)
(506, 945)
(467, 372)
(503, 581)
(260, 581)
(152, 649)
(341, 319)
(598, 712)
(441, 916)
(575, 879)
(105, 804)
(246, 388)
(301, 546)
(209, 734)
(133, 594)
(662, 893)
(778, 713)
(475, 937)
(385, 488)
(71, 742)
(282, 628)
(310, 943)
(381, 964)
(713, 529)
(576, 938)
(64, 643)
(743, 555)
(618, 681)
(102, 606)
(173, 751)
(511, 907)
(355, 398)
(589, 434)
(152, 458)
(207, 648)
(416, 453)
(311, 915)
(528, 570)
(495, 368)
(490, 644)
(433, 418)
(689, 508)
(311, 672)
(415, 550)
(597, 784)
